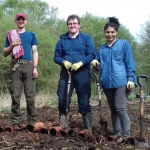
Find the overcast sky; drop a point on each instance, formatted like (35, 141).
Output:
(131, 13)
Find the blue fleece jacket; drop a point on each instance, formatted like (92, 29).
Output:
(81, 48)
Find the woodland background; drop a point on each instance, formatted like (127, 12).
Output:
(43, 21)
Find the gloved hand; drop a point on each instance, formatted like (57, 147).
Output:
(94, 63)
(130, 85)
(67, 64)
(76, 66)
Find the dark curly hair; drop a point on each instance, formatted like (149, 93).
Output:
(113, 22)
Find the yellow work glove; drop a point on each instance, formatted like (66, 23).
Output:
(94, 63)
(67, 64)
(76, 66)
(130, 85)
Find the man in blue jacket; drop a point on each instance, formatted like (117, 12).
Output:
(74, 51)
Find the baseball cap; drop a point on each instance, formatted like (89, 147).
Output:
(21, 15)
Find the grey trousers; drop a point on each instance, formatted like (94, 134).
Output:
(22, 76)
(117, 99)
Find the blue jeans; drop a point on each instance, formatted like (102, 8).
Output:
(81, 83)
(117, 99)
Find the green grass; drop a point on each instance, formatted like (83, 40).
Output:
(4, 109)
(52, 103)
(131, 96)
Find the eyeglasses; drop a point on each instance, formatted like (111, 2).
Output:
(74, 24)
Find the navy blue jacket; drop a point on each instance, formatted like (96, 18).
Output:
(81, 48)
(116, 64)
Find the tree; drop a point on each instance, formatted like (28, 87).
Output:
(43, 20)
(144, 51)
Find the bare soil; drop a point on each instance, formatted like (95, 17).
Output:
(26, 140)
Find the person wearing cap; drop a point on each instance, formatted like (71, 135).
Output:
(74, 52)
(114, 60)
(22, 46)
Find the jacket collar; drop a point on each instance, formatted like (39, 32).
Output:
(106, 44)
(66, 35)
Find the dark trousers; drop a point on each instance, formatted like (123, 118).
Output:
(22, 76)
(81, 83)
(117, 99)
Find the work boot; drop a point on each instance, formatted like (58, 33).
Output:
(87, 120)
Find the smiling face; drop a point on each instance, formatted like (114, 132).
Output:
(21, 22)
(73, 26)
(110, 34)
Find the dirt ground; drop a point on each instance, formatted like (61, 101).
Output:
(26, 140)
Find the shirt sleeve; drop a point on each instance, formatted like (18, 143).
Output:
(58, 54)
(129, 63)
(6, 42)
(34, 40)
(90, 51)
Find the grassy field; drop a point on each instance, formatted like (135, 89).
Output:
(43, 99)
